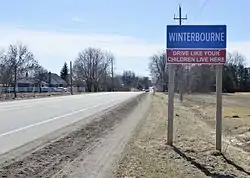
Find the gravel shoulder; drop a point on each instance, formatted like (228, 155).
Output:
(63, 156)
(193, 153)
(102, 160)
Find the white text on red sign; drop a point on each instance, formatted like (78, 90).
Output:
(196, 56)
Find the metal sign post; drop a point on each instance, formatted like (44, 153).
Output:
(196, 44)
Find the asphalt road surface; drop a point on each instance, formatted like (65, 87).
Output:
(26, 120)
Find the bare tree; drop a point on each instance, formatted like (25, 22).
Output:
(40, 74)
(21, 61)
(201, 78)
(158, 69)
(129, 79)
(2, 67)
(91, 65)
(5, 71)
(235, 58)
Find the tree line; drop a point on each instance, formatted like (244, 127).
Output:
(201, 78)
(93, 68)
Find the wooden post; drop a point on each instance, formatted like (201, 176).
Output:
(219, 107)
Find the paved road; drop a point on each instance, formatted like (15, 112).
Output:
(27, 120)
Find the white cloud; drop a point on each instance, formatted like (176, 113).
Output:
(77, 19)
(52, 49)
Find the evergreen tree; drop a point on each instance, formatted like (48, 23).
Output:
(65, 72)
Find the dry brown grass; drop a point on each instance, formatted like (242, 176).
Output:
(146, 155)
(194, 155)
(236, 112)
(140, 158)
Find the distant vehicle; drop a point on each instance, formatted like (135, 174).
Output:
(146, 90)
(61, 89)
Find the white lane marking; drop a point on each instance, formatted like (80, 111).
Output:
(59, 117)
(26, 103)
(46, 121)
(45, 99)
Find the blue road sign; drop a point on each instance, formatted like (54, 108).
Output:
(197, 36)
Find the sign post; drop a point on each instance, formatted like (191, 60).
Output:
(197, 44)
(171, 76)
(218, 107)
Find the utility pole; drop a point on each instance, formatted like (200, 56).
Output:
(105, 81)
(112, 73)
(71, 79)
(49, 82)
(162, 82)
(180, 82)
(171, 88)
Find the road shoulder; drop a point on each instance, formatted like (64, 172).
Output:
(102, 160)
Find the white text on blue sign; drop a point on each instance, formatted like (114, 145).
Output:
(196, 36)
(189, 37)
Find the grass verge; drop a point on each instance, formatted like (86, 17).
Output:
(193, 153)
(144, 155)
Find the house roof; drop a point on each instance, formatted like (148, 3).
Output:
(27, 80)
(56, 79)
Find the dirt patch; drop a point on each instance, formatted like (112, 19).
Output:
(193, 154)
(52, 158)
(101, 161)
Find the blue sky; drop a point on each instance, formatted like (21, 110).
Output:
(56, 30)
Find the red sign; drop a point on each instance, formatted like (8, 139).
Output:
(177, 56)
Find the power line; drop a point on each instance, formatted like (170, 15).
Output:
(201, 9)
(71, 78)
(203, 6)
